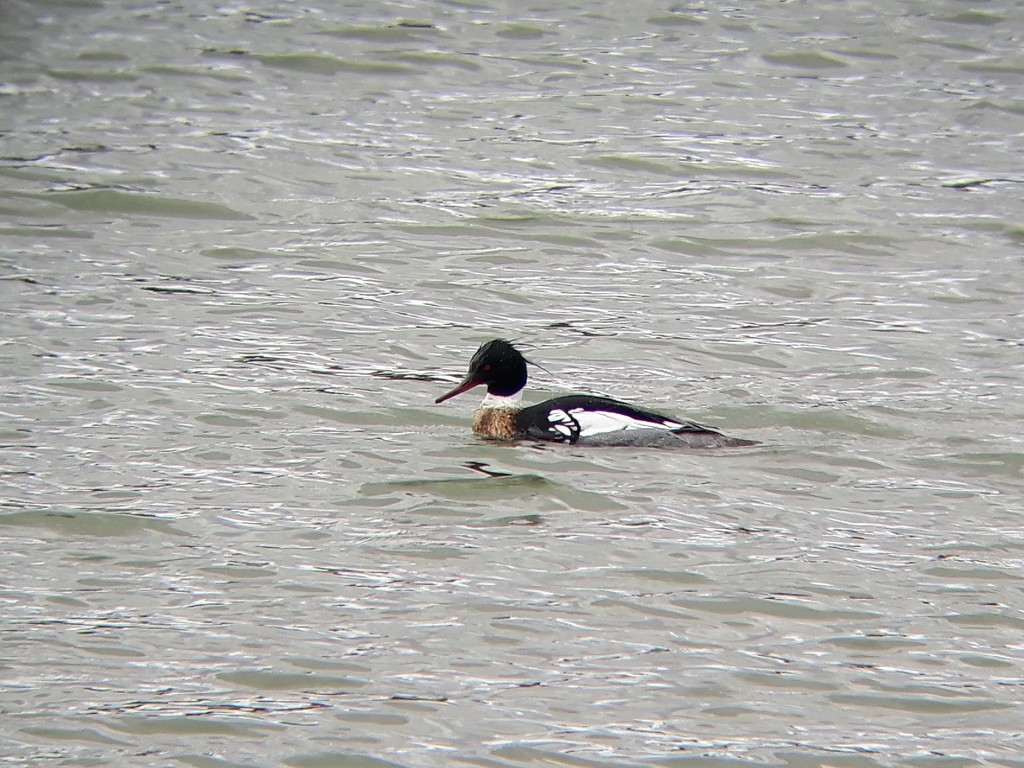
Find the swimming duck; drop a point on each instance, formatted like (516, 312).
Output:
(573, 419)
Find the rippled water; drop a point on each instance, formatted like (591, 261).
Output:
(243, 249)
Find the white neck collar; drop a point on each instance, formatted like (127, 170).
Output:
(498, 401)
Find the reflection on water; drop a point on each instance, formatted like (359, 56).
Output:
(237, 264)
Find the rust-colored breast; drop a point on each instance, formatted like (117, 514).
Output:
(496, 423)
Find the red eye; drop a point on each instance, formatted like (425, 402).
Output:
(487, 366)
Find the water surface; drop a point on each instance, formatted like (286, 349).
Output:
(242, 250)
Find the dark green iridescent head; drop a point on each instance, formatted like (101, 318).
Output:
(497, 364)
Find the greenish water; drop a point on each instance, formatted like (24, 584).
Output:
(243, 249)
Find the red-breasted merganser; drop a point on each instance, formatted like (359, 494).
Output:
(574, 419)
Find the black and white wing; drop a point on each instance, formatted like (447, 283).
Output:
(580, 417)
